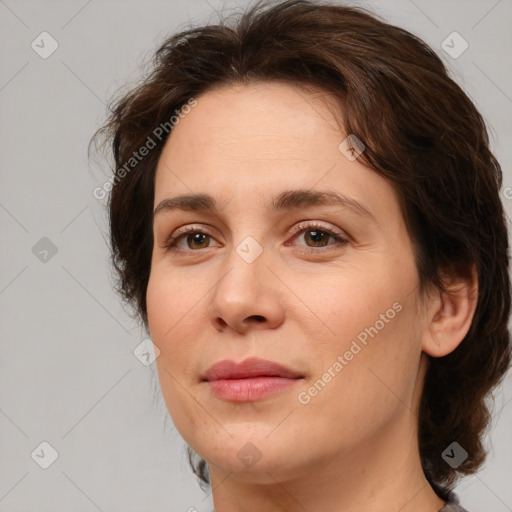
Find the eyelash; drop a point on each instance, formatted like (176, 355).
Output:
(170, 244)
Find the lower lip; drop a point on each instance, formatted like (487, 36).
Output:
(250, 389)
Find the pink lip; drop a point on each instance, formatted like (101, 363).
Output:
(249, 380)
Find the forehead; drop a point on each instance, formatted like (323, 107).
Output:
(257, 122)
(254, 141)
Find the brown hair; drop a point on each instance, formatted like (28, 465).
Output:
(421, 132)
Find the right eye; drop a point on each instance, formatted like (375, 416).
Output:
(194, 238)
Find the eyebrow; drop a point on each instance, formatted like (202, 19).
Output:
(287, 200)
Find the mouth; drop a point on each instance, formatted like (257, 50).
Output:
(250, 380)
(249, 368)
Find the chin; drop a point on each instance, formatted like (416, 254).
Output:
(251, 457)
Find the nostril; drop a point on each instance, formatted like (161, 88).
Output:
(258, 318)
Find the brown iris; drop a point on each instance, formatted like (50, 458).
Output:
(317, 237)
(199, 238)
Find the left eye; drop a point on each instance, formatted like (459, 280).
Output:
(318, 236)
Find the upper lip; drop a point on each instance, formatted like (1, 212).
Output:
(252, 367)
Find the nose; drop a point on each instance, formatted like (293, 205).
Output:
(247, 297)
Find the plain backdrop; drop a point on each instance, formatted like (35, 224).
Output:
(68, 375)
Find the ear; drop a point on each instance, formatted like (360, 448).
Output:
(450, 314)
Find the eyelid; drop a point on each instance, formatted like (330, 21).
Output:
(300, 227)
(341, 238)
(184, 230)
(312, 224)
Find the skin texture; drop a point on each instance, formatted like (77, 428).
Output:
(353, 446)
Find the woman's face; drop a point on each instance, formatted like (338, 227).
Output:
(327, 289)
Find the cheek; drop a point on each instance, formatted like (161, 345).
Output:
(162, 305)
(155, 304)
(347, 305)
(164, 314)
(366, 360)
(173, 326)
(167, 304)
(172, 319)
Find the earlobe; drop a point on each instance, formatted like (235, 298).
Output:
(452, 313)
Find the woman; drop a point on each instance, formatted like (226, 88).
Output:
(305, 214)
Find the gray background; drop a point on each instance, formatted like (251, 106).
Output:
(68, 375)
